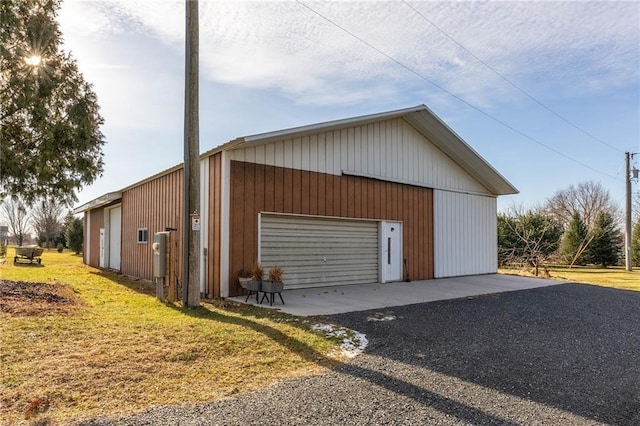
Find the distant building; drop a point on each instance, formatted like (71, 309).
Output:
(4, 234)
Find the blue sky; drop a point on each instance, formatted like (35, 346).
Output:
(273, 65)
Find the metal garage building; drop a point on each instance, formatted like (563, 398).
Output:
(365, 199)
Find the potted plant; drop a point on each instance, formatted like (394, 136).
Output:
(273, 285)
(257, 275)
(244, 276)
(255, 284)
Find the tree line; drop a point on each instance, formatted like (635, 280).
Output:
(578, 225)
(54, 227)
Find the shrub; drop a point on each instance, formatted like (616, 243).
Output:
(635, 244)
(275, 274)
(606, 243)
(257, 272)
(74, 235)
(60, 247)
(244, 273)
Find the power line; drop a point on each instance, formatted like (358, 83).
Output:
(422, 77)
(515, 86)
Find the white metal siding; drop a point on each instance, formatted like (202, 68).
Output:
(87, 231)
(465, 234)
(204, 223)
(391, 149)
(315, 252)
(115, 237)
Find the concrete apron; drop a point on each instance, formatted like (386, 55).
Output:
(362, 297)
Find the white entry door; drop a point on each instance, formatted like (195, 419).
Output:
(115, 236)
(391, 251)
(102, 247)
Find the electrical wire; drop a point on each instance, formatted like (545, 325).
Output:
(422, 77)
(511, 83)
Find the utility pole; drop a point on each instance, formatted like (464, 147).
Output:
(627, 222)
(191, 172)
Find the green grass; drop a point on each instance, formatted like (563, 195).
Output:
(120, 349)
(616, 277)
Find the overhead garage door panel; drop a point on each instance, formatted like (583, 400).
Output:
(115, 237)
(318, 252)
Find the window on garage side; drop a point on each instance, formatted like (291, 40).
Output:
(143, 235)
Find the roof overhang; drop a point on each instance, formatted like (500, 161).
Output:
(329, 125)
(99, 202)
(448, 141)
(425, 122)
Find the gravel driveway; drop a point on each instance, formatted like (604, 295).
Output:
(567, 354)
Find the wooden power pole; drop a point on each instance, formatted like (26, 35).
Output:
(191, 187)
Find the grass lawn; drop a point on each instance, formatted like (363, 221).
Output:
(616, 277)
(92, 342)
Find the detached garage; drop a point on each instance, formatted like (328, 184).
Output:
(376, 198)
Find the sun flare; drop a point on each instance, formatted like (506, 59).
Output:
(33, 60)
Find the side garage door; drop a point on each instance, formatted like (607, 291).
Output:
(316, 252)
(115, 236)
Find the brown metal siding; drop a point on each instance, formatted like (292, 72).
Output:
(214, 197)
(153, 205)
(256, 188)
(96, 221)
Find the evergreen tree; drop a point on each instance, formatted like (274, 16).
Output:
(605, 245)
(575, 240)
(74, 234)
(50, 139)
(635, 244)
(527, 237)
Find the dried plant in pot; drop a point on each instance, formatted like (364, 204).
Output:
(274, 284)
(257, 275)
(244, 276)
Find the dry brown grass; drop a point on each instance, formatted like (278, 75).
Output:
(83, 343)
(34, 299)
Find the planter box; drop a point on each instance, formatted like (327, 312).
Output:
(271, 287)
(243, 282)
(252, 285)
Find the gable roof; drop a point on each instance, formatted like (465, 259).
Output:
(103, 200)
(420, 117)
(423, 120)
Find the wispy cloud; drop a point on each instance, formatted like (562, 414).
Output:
(546, 47)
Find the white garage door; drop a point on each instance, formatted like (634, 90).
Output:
(316, 252)
(115, 231)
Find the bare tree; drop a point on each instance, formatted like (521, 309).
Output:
(527, 238)
(15, 212)
(587, 199)
(47, 216)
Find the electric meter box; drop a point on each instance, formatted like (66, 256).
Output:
(159, 247)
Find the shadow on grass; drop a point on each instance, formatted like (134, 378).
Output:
(246, 312)
(137, 285)
(290, 343)
(149, 289)
(21, 264)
